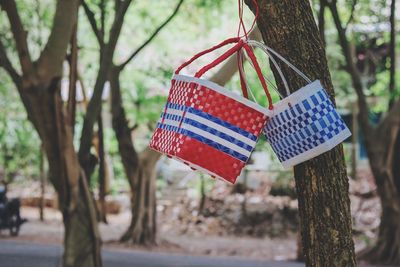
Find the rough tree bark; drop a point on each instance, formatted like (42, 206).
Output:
(322, 184)
(39, 89)
(380, 142)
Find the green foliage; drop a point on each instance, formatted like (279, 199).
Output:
(19, 143)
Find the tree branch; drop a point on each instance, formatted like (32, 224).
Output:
(19, 34)
(392, 117)
(92, 21)
(117, 24)
(102, 17)
(94, 106)
(6, 64)
(352, 70)
(51, 59)
(353, 8)
(73, 77)
(152, 36)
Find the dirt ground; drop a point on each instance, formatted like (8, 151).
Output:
(51, 232)
(260, 223)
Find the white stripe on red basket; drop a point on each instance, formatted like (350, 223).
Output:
(236, 142)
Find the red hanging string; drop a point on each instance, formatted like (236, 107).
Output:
(245, 35)
(241, 22)
(253, 58)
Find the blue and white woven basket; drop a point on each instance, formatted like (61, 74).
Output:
(304, 124)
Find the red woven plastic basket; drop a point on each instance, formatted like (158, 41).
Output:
(208, 127)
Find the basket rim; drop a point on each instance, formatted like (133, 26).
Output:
(318, 150)
(297, 96)
(218, 88)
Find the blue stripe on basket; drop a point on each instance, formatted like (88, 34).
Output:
(168, 127)
(218, 133)
(172, 117)
(222, 123)
(214, 119)
(214, 144)
(209, 129)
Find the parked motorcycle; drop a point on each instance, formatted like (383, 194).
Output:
(10, 217)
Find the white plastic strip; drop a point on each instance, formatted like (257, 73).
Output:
(220, 128)
(267, 48)
(309, 154)
(215, 138)
(210, 136)
(297, 96)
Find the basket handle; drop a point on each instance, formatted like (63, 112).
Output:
(268, 50)
(220, 59)
(241, 72)
(239, 43)
(250, 53)
(224, 43)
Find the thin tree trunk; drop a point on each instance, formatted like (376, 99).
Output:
(129, 156)
(381, 157)
(73, 77)
(354, 141)
(143, 227)
(103, 177)
(42, 184)
(203, 196)
(322, 184)
(139, 170)
(380, 143)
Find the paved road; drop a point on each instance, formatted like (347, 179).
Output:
(18, 254)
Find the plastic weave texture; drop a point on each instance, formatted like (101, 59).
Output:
(208, 128)
(305, 125)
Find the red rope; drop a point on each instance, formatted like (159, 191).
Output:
(221, 58)
(241, 22)
(243, 85)
(226, 42)
(253, 59)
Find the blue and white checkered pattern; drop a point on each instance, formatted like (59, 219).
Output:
(306, 126)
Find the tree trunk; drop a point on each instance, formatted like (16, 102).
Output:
(81, 238)
(42, 184)
(387, 248)
(39, 89)
(139, 171)
(142, 229)
(382, 156)
(203, 196)
(381, 143)
(322, 184)
(129, 156)
(103, 175)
